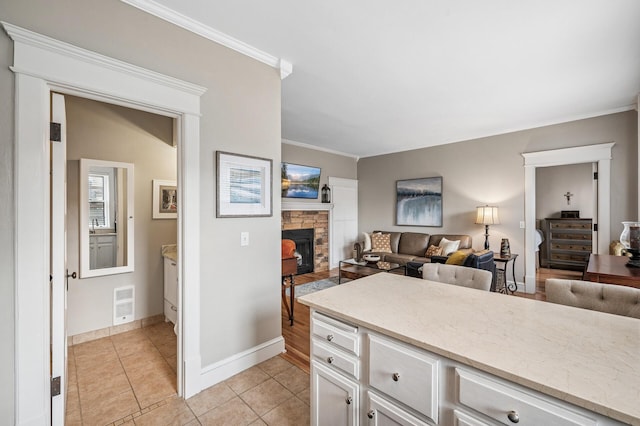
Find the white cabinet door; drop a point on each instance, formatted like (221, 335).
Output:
(170, 290)
(344, 218)
(106, 251)
(334, 398)
(381, 412)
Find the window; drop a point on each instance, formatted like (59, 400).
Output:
(100, 202)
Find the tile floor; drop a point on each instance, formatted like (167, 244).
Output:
(129, 379)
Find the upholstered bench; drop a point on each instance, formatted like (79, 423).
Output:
(610, 298)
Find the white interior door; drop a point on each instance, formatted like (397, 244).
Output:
(344, 218)
(58, 261)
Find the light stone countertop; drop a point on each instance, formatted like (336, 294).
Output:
(170, 252)
(587, 358)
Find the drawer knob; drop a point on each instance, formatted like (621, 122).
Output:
(349, 400)
(330, 360)
(330, 337)
(371, 413)
(396, 377)
(513, 416)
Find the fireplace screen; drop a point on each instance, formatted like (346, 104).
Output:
(304, 248)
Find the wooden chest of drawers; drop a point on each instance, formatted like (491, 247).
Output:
(568, 243)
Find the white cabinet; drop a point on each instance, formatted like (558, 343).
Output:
(509, 404)
(334, 398)
(170, 290)
(382, 412)
(400, 384)
(405, 374)
(102, 251)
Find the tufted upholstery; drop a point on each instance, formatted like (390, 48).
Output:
(458, 275)
(610, 298)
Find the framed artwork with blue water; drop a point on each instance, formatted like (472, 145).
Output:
(419, 202)
(299, 181)
(243, 185)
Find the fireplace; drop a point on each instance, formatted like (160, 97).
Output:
(304, 248)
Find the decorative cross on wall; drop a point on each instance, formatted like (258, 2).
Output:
(568, 196)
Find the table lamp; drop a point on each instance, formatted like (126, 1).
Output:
(487, 215)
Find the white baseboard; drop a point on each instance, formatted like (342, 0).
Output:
(222, 370)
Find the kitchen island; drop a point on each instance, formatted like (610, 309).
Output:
(473, 344)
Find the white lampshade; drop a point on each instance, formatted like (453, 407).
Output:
(487, 215)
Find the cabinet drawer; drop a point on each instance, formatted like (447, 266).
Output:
(336, 332)
(329, 355)
(382, 412)
(499, 401)
(404, 374)
(464, 419)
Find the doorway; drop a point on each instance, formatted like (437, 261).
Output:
(115, 318)
(599, 154)
(71, 70)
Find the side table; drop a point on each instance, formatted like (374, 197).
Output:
(504, 261)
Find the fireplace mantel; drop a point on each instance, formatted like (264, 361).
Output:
(302, 206)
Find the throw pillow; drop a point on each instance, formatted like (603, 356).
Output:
(367, 241)
(433, 251)
(456, 258)
(448, 247)
(381, 243)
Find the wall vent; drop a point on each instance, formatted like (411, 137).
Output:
(123, 304)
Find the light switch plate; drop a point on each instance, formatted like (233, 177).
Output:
(522, 224)
(244, 238)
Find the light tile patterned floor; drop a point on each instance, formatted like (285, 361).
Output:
(129, 379)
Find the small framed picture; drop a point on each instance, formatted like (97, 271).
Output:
(243, 185)
(165, 199)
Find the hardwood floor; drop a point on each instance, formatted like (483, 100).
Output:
(296, 336)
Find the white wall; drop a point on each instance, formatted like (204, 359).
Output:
(553, 182)
(107, 132)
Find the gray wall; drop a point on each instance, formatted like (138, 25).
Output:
(101, 131)
(490, 171)
(553, 182)
(240, 308)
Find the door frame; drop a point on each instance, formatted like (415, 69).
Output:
(41, 65)
(600, 154)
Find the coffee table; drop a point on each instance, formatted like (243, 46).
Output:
(362, 269)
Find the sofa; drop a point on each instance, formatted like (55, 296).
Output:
(610, 298)
(412, 246)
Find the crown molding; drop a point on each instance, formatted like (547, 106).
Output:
(319, 148)
(196, 27)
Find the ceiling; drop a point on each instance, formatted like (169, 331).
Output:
(378, 76)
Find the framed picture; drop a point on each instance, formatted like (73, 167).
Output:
(243, 185)
(299, 181)
(419, 202)
(165, 199)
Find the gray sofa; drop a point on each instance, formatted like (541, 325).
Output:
(610, 298)
(412, 246)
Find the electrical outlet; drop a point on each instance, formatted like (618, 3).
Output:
(522, 224)
(244, 238)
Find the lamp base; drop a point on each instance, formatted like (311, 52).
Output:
(486, 237)
(634, 260)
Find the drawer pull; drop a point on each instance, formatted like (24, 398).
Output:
(330, 360)
(330, 337)
(371, 413)
(349, 400)
(396, 377)
(173, 308)
(513, 416)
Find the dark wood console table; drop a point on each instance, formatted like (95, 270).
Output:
(608, 269)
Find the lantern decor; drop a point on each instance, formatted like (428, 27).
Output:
(630, 239)
(326, 194)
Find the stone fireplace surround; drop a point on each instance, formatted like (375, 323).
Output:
(319, 221)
